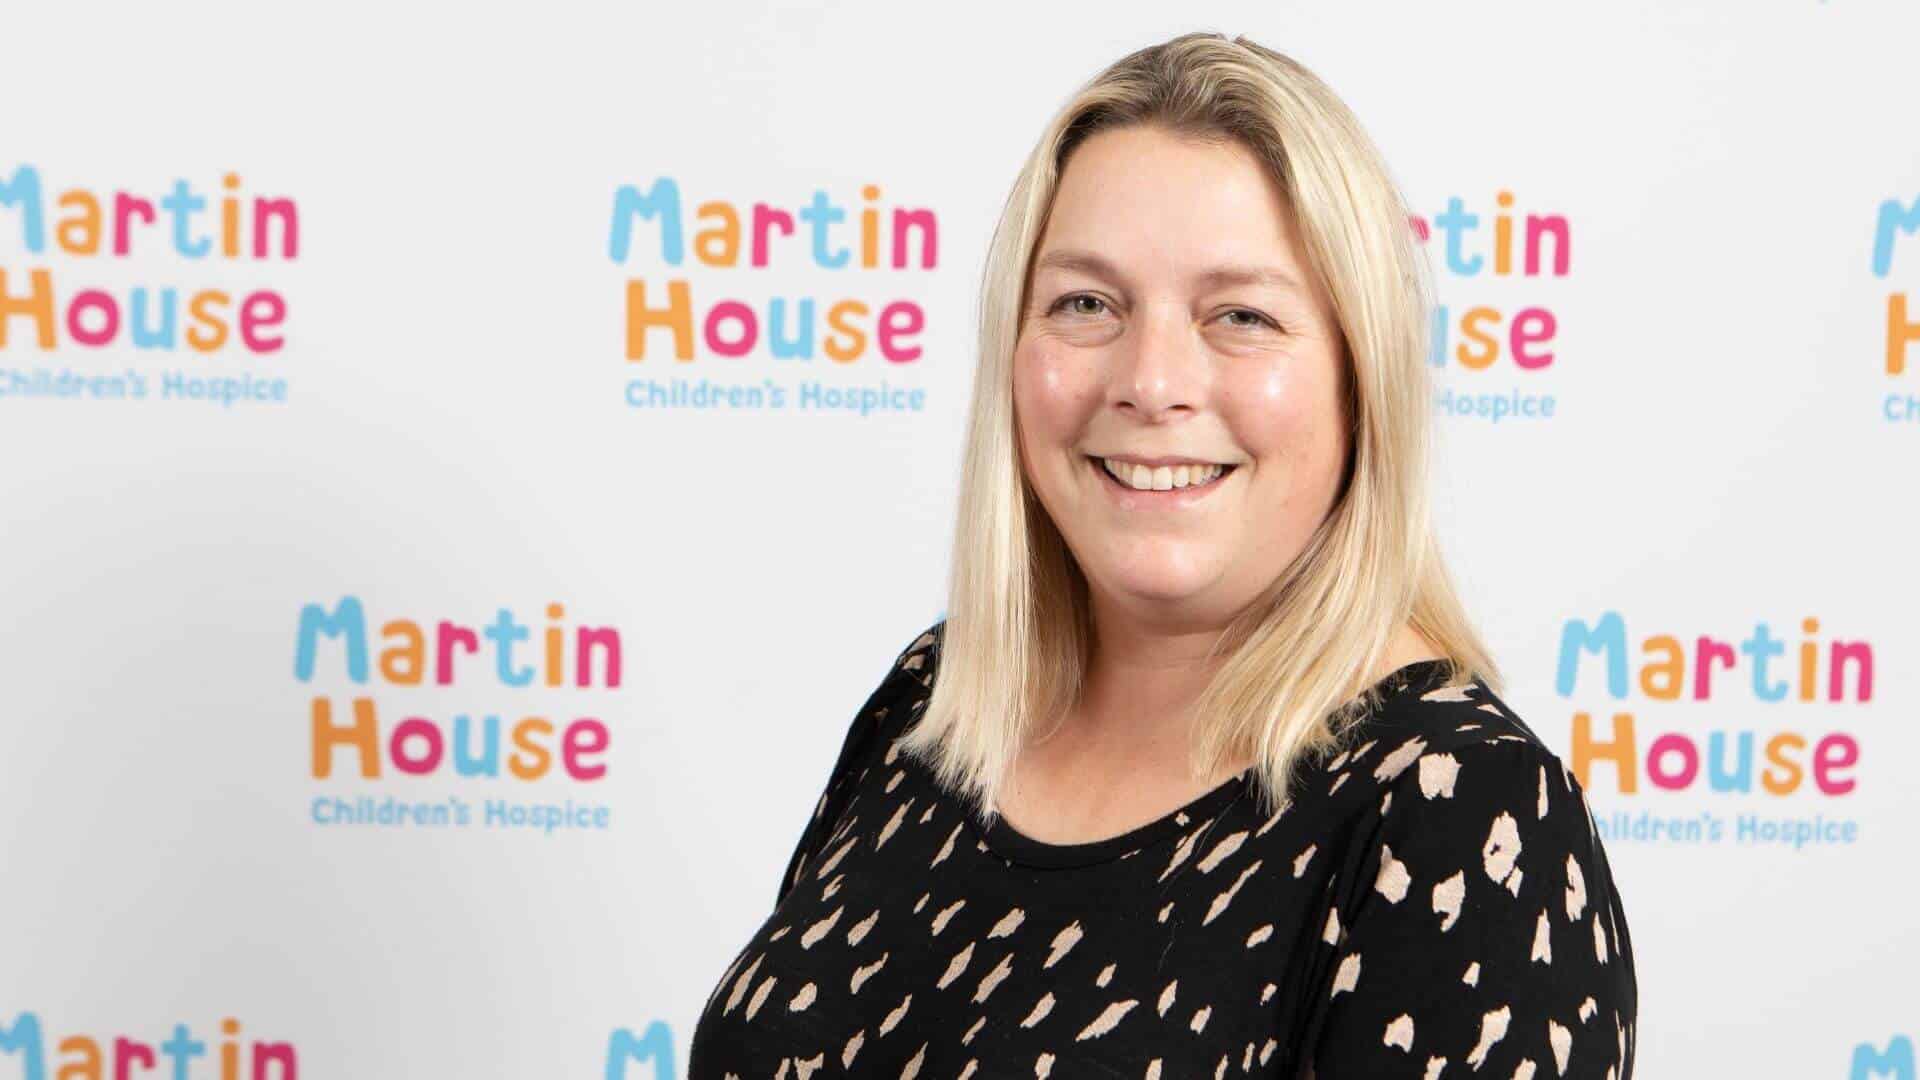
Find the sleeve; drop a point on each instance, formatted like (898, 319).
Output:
(1482, 934)
(862, 738)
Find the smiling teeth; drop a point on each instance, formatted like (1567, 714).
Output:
(1164, 478)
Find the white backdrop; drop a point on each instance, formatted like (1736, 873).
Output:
(445, 433)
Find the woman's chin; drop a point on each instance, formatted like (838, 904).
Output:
(1162, 586)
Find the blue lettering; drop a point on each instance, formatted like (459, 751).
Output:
(1609, 634)
(24, 1038)
(347, 618)
(24, 191)
(663, 201)
(1896, 1060)
(1892, 216)
(655, 1046)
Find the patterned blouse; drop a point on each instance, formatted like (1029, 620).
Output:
(1432, 902)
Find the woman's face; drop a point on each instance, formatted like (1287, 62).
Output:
(1173, 321)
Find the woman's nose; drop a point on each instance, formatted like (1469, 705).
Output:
(1161, 365)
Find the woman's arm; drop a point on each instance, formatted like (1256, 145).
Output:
(1485, 938)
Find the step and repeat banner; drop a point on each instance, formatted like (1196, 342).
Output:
(465, 467)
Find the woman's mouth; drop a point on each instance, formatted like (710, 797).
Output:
(1167, 480)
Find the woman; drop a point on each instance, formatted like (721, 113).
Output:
(1204, 773)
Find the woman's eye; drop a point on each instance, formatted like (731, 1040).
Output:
(1254, 320)
(1076, 298)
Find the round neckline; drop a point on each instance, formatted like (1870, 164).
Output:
(1015, 846)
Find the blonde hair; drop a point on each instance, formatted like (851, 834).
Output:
(1294, 665)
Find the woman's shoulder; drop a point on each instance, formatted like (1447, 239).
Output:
(917, 660)
(875, 725)
(910, 675)
(1448, 770)
(1433, 721)
(1445, 739)
(900, 693)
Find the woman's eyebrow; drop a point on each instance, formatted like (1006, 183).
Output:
(1084, 261)
(1250, 275)
(1098, 266)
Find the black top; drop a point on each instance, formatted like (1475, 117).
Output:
(1432, 902)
